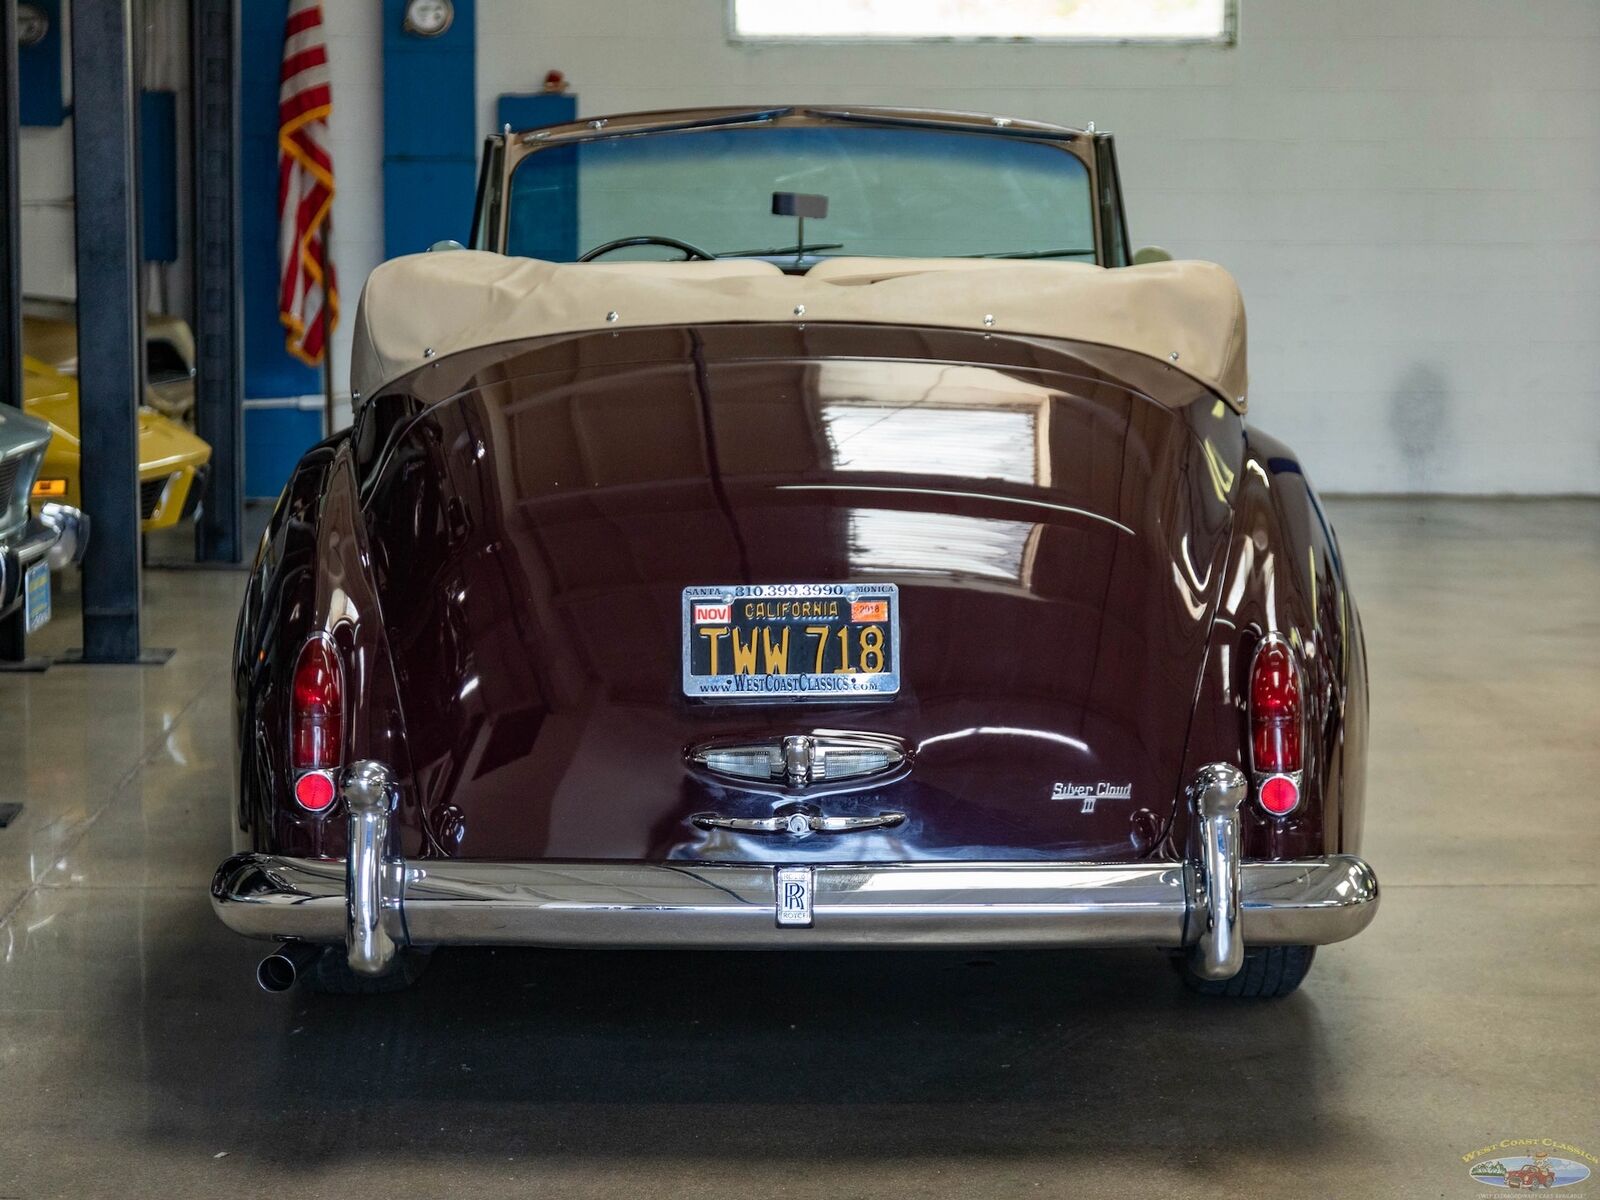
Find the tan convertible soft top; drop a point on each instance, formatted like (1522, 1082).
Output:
(425, 306)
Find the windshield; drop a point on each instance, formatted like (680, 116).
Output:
(890, 192)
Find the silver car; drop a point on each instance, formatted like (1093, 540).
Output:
(31, 544)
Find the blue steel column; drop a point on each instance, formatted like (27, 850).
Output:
(110, 320)
(218, 313)
(13, 641)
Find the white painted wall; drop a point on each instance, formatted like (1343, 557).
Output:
(354, 31)
(44, 162)
(1408, 192)
(44, 185)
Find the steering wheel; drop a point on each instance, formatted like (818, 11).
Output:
(648, 239)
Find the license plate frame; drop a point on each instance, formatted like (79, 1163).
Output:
(789, 615)
(36, 591)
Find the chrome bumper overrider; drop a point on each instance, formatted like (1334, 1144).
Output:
(1213, 904)
(58, 533)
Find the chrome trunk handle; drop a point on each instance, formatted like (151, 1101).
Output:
(797, 822)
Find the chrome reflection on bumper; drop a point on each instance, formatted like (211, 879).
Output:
(29, 542)
(716, 906)
(71, 529)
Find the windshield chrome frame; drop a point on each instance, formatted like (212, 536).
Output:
(516, 145)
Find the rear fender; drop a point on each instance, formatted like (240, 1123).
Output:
(312, 575)
(1285, 575)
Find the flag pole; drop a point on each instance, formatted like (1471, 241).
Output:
(327, 330)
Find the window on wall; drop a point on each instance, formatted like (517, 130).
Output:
(1053, 20)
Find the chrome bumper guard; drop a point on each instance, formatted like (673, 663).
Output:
(71, 529)
(58, 533)
(1214, 905)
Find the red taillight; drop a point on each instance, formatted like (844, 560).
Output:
(1279, 794)
(318, 707)
(1276, 724)
(314, 790)
(1275, 711)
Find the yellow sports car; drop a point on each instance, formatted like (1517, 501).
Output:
(172, 461)
(50, 334)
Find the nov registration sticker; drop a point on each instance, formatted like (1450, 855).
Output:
(792, 641)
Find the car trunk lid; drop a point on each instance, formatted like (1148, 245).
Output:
(1054, 535)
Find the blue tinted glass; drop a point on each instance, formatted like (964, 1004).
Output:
(894, 192)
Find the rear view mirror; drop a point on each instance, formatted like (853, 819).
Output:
(799, 204)
(1150, 254)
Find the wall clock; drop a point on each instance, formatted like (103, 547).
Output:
(429, 18)
(32, 25)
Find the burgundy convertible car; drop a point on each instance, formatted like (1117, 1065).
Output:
(799, 528)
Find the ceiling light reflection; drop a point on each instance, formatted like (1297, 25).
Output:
(890, 542)
(1005, 731)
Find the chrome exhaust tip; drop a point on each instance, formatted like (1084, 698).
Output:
(278, 971)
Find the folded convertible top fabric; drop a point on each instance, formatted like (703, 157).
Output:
(1186, 314)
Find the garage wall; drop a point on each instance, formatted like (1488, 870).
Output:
(355, 137)
(44, 185)
(1408, 193)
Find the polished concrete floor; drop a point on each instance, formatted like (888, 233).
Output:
(138, 1058)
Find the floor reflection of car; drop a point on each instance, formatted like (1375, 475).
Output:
(172, 460)
(50, 334)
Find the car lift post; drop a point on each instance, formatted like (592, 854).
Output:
(110, 322)
(13, 636)
(218, 328)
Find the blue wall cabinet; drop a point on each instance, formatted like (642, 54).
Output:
(39, 72)
(429, 130)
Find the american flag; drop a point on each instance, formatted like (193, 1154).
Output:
(308, 297)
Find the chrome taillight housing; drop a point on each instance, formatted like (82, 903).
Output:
(316, 723)
(1277, 726)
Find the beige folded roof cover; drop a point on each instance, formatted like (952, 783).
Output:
(422, 307)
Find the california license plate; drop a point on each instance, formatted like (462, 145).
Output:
(36, 586)
(793, 641)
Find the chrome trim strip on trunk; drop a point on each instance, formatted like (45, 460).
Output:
(732, 906)
(797, 823)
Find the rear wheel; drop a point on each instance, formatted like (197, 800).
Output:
(1268, 972)
(331, 974)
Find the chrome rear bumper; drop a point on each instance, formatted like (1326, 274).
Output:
(1213, 904)
(715, 906)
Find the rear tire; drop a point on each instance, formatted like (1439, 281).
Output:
(1268, 972)
(331, 974)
